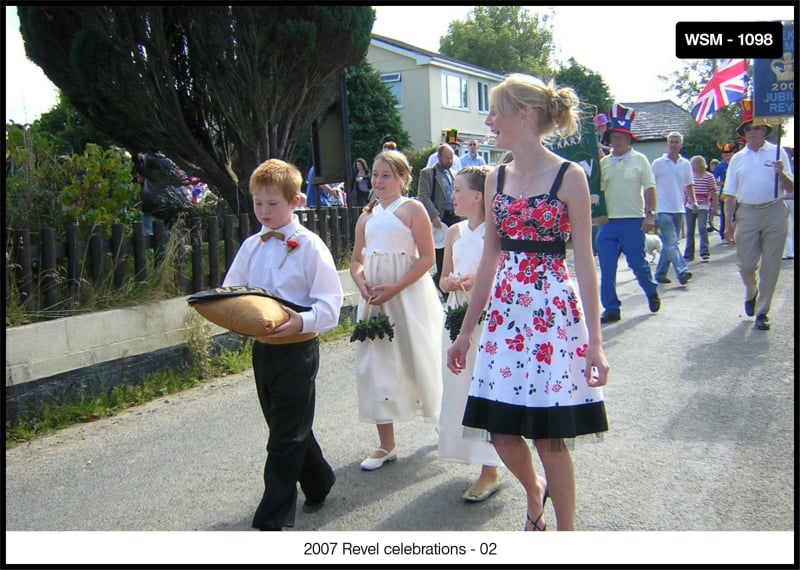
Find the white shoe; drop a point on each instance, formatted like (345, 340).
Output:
(373, 463)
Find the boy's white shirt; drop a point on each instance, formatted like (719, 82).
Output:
(308, 276)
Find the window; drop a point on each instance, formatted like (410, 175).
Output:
(454, 91)
(483, 97)
(394, 82)
(485, 155)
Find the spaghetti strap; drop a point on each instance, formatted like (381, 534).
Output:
(501, 171)
(557, 181)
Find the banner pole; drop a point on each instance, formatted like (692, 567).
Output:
(778, 153)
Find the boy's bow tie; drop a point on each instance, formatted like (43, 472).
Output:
(265, 236)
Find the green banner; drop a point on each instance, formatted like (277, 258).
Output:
(585, 151)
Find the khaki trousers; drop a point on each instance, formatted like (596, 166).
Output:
(760, 236)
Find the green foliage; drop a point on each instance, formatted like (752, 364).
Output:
(590, 86)
(85, 407)
(99, 188)
(505, 39)
(33, 181)
(68, 129)
(376, 327)
(373, 118)
(44, 189)
(721, 128)
(217, 88)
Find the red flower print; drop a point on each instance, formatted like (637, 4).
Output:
(556, 388)
(505, 372)
(560, 304)
(517, 343)
(503, 291)
(546, 216)
(527, 270)
(544, 352)
(524, 300)
(560, 270)
(495, 320)
(543, 319)
(512, 226)
(491, 347)
(581, 350)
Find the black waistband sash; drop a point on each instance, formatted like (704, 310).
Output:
(557, 247)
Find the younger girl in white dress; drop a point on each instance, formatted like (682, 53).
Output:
(392, 254)
(462, 252)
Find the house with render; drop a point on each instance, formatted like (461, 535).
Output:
(437, 93)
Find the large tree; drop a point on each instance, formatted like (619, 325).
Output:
(374, 119)
(216, 88)
(590, 86)
(505, 39)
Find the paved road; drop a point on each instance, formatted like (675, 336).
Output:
(701, 413)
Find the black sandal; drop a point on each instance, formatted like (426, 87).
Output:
(533, 522)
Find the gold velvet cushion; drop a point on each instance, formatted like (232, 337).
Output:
(249, 311)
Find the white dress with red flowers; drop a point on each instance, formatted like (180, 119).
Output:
(401, 379)
(529, 371)
(453, 446)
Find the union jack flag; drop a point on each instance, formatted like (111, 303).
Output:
(726, 86)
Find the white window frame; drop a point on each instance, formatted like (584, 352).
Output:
(483, 98)
(463, 91)
(394, 81)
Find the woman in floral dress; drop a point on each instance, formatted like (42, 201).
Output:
(540, 363)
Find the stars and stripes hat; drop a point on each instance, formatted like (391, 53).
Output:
(621, 119)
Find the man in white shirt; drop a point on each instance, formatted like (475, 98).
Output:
(755, 178)
(674, 182)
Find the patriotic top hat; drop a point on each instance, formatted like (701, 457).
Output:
(747, 118)
(621, 119)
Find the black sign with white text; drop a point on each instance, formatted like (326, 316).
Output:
(740, 40)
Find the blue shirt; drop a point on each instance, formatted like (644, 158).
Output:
(467, 160)
(720, 172)
(312, 190)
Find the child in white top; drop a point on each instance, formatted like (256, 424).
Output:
(294, 264)
(462, 252)
(401, 378)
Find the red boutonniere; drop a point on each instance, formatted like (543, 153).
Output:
(291, 245)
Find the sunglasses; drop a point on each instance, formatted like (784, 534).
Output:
(749, 128)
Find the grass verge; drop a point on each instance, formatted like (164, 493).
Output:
(84, 407)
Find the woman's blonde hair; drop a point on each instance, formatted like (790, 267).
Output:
(557, 109)
(399, 165)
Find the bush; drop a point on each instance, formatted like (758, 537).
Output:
(44, 190)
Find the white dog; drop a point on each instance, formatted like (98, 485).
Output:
(652, 245)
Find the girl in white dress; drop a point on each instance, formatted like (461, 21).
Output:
(462, 252)
(401, 378)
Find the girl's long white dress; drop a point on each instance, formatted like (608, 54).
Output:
(401, 379)
(453, 446)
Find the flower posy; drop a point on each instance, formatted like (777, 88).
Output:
(291, 245)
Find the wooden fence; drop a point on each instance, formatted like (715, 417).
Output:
(48, 274)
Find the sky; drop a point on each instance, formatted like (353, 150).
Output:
(629, 60)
